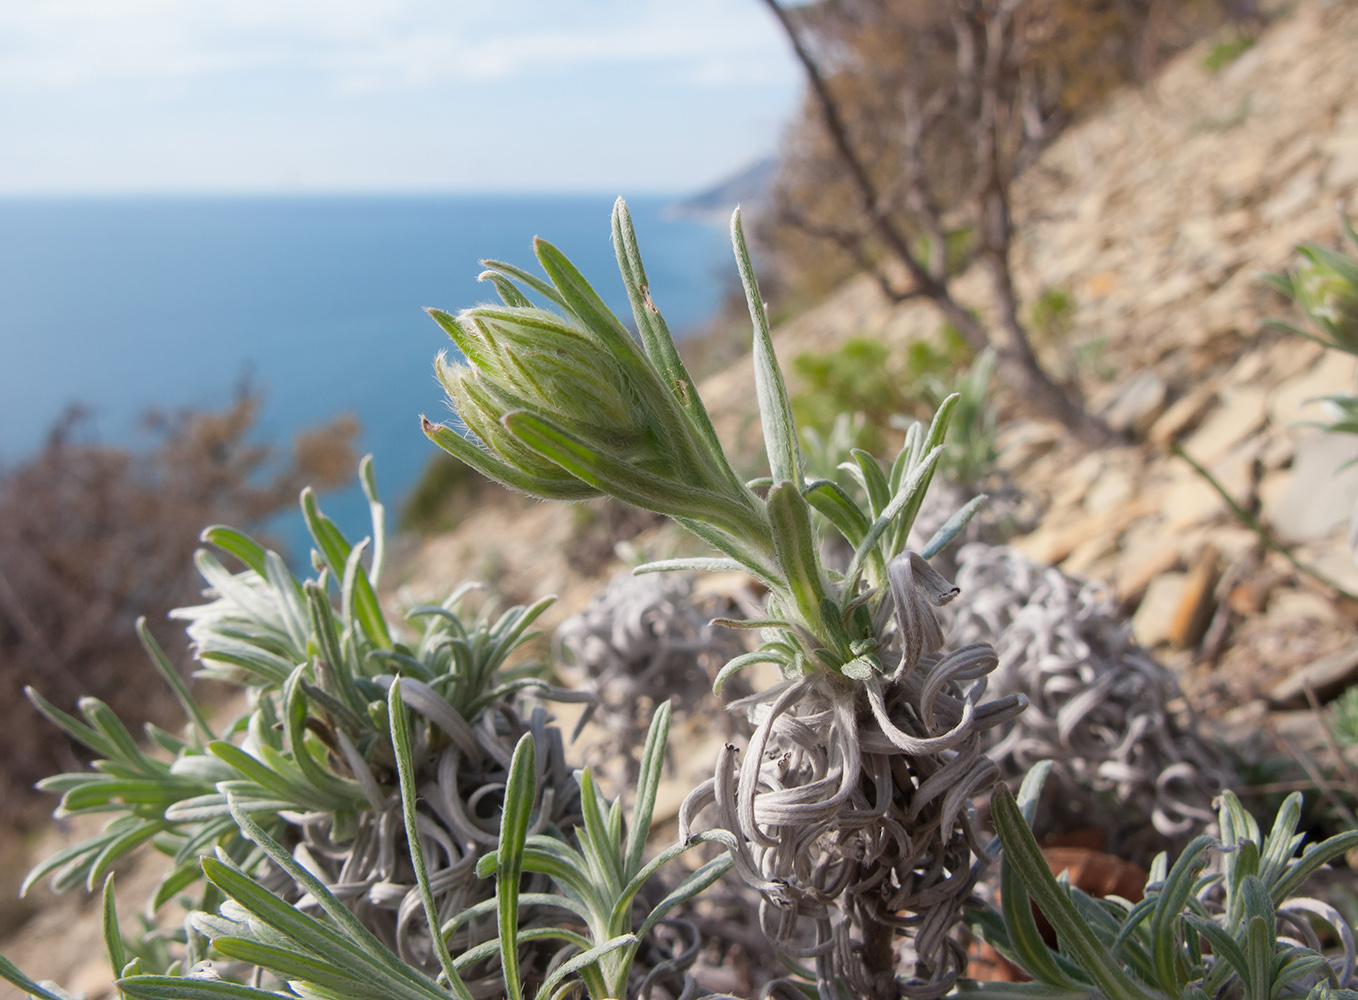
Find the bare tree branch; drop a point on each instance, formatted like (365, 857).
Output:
(986, 56)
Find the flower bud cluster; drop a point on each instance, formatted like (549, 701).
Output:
(566, 405)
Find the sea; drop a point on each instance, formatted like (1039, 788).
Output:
(130, 304)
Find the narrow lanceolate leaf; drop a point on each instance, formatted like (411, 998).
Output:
(472, 346)
(648, 786)
(911, 490)
(1024, 937)
(344, 791)
(520, 790)
(106, 721)
(582, 300)
(626, 481)
(1169, 907)
(11, 974)
(1018, 991)
(356, 940)
(795, 543)
(330, 541)
(656, 339)
(287, 599)
(604, 858)
(379, 517)
(113, 938)
(358, 593)
(874, 481)
(240, 545)
(308, 934)
(528, 278)
(1077, 939)
(288, 964)
(1259, 947)
(71, 726)
(839, 509)
(938, 430)
(953, 526)
(1312, 860)
(742, 661)
(185, 988)
(702, 564)
(579, 962)
(1030, 791)
(405, 769)
(486, 949)
(273, 782)
(563, 487)
(694, 884)
(775, 411)
(177, 685)
(507, 290)
(327, 632)
(1230, 957)
(756, 564)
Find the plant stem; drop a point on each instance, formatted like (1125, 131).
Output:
(1251, 522)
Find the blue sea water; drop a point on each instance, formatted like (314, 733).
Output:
(123, 305)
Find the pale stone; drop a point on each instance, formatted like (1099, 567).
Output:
(1078, 479)
(1151, 623)
(1112, 489)
(1277, 452)
(1251, 365)
(1321, 491)
(1341, 145)
(1238, 178)
(1240, 725)
(1326, 676)
(1171, 289)
(1202, 233)
(1292, 401)
(1334, 561)
(1137, 403)
(1271, 490)
(1089, 553)
(1182, 414)
(1103, 569)
(1233, 541)
(93, 978)
(1142, 563)
(1189, 500)
(1240, 414)
(1058, 536)
(1294, 605)
(1296, 195)
(1290, 356)
(1342, 170)
(1232, 224)
(1023, 442)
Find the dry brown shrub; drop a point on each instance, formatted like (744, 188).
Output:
(92, 536)
(881, 57)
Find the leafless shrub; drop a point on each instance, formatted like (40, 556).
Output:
(91, 536)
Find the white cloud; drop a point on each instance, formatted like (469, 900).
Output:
(216, 95)
(377, 44)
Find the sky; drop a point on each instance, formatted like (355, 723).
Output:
(265, 96)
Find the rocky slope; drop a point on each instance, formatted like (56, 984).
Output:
(1155, 217)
